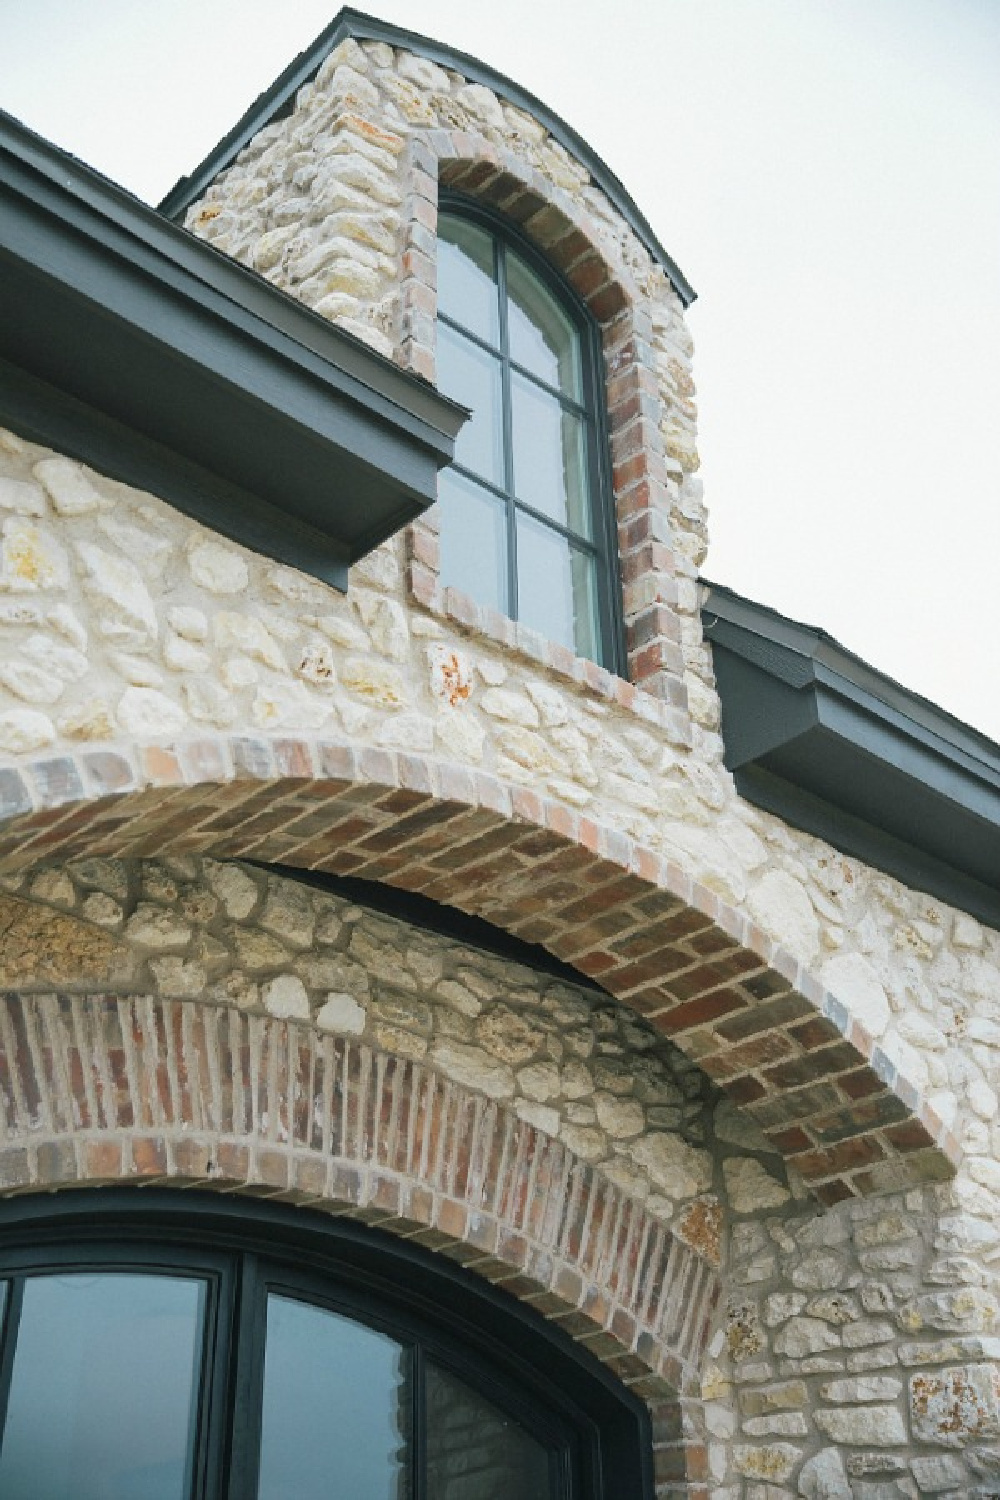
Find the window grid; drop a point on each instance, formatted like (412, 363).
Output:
(600, 547)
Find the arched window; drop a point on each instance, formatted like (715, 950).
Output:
(168, 1346)
(526, 524)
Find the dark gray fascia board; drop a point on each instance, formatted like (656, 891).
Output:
(152, 357)
(278, 101)
(821, 738)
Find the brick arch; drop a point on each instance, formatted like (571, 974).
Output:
(569, 237)
(101, 1090)
(700, 971)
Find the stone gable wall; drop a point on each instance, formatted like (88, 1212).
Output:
(859, 1357)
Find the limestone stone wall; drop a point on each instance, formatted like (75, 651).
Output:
(569, 1060)
(121, 620)
(859, 1356)
(855, 1347)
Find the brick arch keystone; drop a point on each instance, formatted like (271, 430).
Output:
(101, 1090)
(699, 970)
(568, 236)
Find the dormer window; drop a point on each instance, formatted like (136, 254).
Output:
(525, 528)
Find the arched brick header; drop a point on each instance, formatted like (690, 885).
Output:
(567, 235)
(99, 1090)
(700, 971)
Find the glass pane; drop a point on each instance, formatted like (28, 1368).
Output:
(550, 463)
(472, 376)
(103, 1402)
(467, 289)
(477, 1452)
(556, 591)
(473, 540)
(335, 1421)
(542, 336)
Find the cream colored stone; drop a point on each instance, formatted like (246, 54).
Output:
(218, 569)
(539, 1115)
(23, 730)
(385, 622)
(511, 707)
(138, 671)
(782, 908)
(209, 703)
(67, 623)
(181, 655)
(21, 496)
(238, 891)
(89, 720)
(288, 705)
(341, 1013)
(189, 623)
(823, 1477)
(855, 983)
(475, 1068)
(69, 487)
(863, 1426)
(751, 1187)
(341, 631)
(158, 928)
(285, 997)
(375, 681)
(117, 585)
(677, 1169)
(32, 557)
(769, 1461)
(248, 634)
(316, 664)
(32, 683)
(622, 1119)
(149, 714)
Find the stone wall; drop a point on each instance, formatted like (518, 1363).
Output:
(858, 1357)
(122, 620)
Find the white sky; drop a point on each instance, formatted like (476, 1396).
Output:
(826, 173)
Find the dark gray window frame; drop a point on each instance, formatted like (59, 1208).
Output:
(603, 547)
(599, 1433)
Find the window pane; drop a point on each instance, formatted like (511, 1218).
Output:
(550, 464)
(473, 540)
(335, 1420)
(477, 1452)
(467, 289)
(105, 1387)
(542, 336)
(556, 588)
(472, 376)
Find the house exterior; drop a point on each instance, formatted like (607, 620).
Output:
(517, 1068)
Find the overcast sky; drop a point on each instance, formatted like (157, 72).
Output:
(826, 173)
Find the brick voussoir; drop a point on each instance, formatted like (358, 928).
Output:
(736, 1002)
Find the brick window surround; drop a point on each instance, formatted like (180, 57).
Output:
(103, 1090)
(567, 237)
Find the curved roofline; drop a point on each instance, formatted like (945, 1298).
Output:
(277, 101)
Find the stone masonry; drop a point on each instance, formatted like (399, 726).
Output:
(750, 1152)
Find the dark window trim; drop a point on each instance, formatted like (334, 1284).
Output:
(129, 344)
(499, 1345)
(593, 412)
(277, 101)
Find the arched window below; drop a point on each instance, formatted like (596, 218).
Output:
(527, 525)
(160, 1346)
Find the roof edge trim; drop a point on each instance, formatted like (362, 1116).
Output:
(277, 101)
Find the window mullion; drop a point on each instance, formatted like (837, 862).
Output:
(12, 1317)
(418, 1424)
(508, 430)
